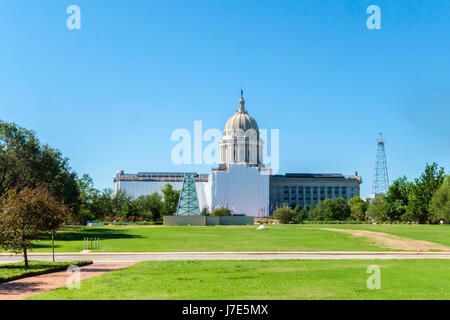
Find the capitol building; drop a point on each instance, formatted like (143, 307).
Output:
(241, 182)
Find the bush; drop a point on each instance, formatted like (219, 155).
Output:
(284, 215)
(300, 215)
(221, 212)
(330, 209)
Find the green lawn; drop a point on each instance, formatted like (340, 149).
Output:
(13, 271)
(214, 238)
(434, 233)
(235, 238)
(240, 280)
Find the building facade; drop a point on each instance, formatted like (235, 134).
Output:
(241, 182)
(306, 189)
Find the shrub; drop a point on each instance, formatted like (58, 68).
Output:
(300, 215)
(284, 215)
(221, 212)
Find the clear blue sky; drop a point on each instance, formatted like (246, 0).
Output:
(110, 95)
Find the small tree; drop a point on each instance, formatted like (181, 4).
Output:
(440, 203)
(171, 197)
(26, 214)
(419, 197)
(300, 214)
(397, 199)
(284, 215)
(377, 208)
(221, 212)
(358, 208)
(53, 215)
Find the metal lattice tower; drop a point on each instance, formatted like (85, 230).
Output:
(380, 175)
(188, 202)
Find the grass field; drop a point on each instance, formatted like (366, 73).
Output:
(236, 238)
(218, 238)
(13, 271)
(343, 279)
(433, 233)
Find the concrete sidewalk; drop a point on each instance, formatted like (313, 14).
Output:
(253, 255)
(26, 287)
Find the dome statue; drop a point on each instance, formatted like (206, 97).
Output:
(241, 142)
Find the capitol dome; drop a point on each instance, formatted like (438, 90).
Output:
(241, 142)
(241, 120)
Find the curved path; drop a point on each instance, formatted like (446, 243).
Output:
(26, 287)
(391, 241)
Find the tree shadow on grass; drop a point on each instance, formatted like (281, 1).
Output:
(79, 234)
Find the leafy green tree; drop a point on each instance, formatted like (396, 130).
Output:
(100, 205)
(300, 215)
(25, 162)
(397, 199)
(377, 208)
(330, 210)
(171, 197)
(221, 212)
(440, 202)
(284, 215)
(150, 206)
(121, 203)
(358, 208)
(322, 211)
(421, 193)
(26, 214)
(87, 193)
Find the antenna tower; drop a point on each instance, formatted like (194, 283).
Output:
(380, 175)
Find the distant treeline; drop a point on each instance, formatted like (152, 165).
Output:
(424, 200)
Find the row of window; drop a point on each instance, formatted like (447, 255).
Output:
(305, 196)
(300, 198)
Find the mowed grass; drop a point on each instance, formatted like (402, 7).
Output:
(241, 280)
(214, 238)
(13, 271)
(235, 238)
(433, 233)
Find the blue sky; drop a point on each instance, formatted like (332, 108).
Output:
(110, 95)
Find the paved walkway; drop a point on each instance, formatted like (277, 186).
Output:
(26, 287)
(268, 255)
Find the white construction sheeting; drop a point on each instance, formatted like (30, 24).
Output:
(243, 189)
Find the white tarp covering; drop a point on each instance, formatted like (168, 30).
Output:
(243, 189)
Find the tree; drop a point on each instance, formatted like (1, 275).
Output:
(397, 199)
(171, 197)
(53, 214)
(421, 193)
(87, 194)
(300, 215)
(377, 208)
(150, 206)
(25, 214)
(358, 208)
(24, 162)
(221, 212)
(440, 202)
(330, 210)
(284, 215)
